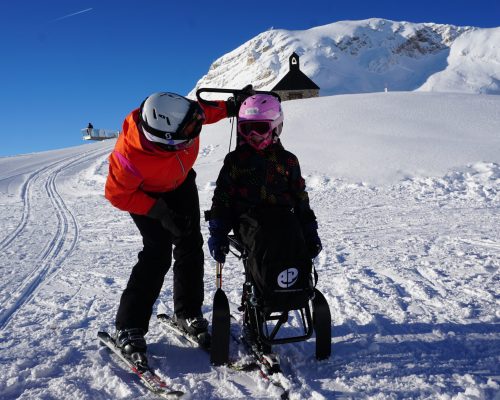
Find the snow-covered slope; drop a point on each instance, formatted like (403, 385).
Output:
(367, 56)
(473, 65)
(406, 190)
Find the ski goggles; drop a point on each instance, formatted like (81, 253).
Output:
(190, 127)
(188, 130)
(260, 128)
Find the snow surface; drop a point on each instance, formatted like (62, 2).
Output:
(406, 190)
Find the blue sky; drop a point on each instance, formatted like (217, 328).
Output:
(64, 63)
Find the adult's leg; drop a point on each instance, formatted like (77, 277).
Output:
(188, 250)
(146, 279)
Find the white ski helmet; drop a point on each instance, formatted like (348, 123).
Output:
(171, 120)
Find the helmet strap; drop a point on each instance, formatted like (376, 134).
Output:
(231, 137)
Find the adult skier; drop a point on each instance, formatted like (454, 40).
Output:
(151, 177)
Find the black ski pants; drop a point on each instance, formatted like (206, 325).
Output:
(146, 279)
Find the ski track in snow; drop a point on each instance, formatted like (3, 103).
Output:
(64, 238)
(410, 271)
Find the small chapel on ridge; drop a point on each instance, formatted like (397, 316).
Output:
(295, 84)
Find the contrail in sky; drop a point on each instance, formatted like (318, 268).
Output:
(71, 15)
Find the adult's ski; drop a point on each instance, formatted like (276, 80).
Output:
(168, 323)
(146, 375)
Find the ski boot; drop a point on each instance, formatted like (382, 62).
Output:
(197, 327)
(133, 346)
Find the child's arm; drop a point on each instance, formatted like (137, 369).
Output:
(299, 193)
(303, 210)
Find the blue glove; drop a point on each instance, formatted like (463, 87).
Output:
(313, 242)
(218, 243)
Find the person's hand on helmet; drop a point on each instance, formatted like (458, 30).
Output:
(218, 243)
(177, 224)
(233, 103)
(313, 242)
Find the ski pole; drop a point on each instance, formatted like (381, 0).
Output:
(218, 274)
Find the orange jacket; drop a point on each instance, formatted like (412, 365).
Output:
(136, 166)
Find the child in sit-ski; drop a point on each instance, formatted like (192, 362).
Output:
(261, 195)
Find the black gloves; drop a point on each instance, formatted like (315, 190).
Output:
(313, 242)
(233, 103)
(177, 224)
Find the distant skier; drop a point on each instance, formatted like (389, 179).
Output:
(90, 127)
(261, 195)
(151, 177)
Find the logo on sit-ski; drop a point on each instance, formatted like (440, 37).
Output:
(288, 277)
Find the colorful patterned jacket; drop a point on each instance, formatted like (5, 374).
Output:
(251, 178)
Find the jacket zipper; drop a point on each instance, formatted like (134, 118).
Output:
(182, 168)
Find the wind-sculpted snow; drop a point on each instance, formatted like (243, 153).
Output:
(409, 267)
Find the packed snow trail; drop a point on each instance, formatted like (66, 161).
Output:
(41, 202)
(409, 267)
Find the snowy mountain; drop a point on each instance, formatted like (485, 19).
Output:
(406, 187)
(368, 56)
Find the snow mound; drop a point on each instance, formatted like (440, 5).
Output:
(479, 182)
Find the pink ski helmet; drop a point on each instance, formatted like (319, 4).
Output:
(260, 120)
